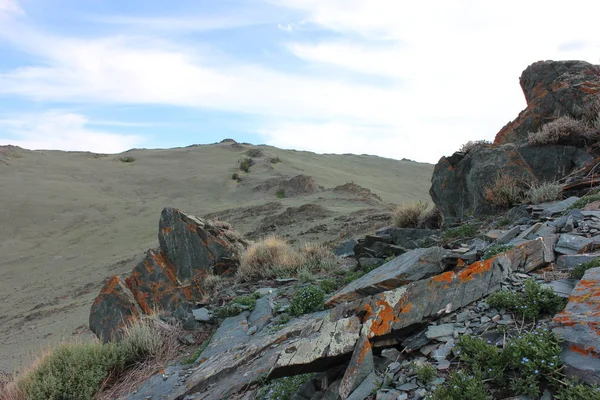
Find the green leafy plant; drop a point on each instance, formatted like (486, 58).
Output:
(235, 176)
(462, 385)
(127, 159)
(425, 372)
(275, 160)
(529, 304)
(494, 250)
(584, 201)
(307, 299)
(579, 270)
(246, 163)
(283, 388)
(574, 390)
(280, 194)
(329, 285)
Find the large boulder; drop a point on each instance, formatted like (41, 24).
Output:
(552, 89)
(169, 276)
(459, 181)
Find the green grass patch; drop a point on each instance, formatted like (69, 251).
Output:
(246, 163)
(461, 385)
(584, 201)
(460, 232)
(237, 305)
(425, 372)
(275, 160)
(192, 359)
(283, 388)
(280, 194)
(532, 302)
(579, 270)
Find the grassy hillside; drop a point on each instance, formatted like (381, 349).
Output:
(71, 219)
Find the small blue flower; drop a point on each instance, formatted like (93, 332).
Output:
(536, 372)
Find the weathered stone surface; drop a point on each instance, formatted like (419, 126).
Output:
(262, 313)
(579, 325)
(562, 287)
(345, 249)
(202, 314)
(361, 365)
(573, 244)
(367, 387)
(570, 261)
(114, 307)
(458, 182)
(551, 209)
(169, 276)
(552, 89)
(411, 266)
(411, 238)
(547, 234)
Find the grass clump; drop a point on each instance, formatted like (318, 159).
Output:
(236, 177)
(543, 192)
(329, 285)
(461, 232)
(280, 194)
(307, 299)
(255, 153)
(584, 201)
(579, 270)
(425, 372)
(408, 215)
(246, 163)
(192, 358)
(574, 390)
(474, 144)
(460, 386)
(283, 388)
(495, 249)
(127, 159)
(275, 160)
(534, 301)
(79, 371)
(237, 305)
(273, 257)
(563, 130)
(505, 191)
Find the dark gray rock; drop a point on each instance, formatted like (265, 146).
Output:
(368, 386)
(579, 325)
(573, 244)
(412, 238)
(562, 287)
(568, 262)
(345, 249)
(202, 315)
(262, 313)
(411, 266)
(552, 209)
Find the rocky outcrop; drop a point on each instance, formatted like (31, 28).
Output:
(169, 276)
(552, 89)
(459, 181)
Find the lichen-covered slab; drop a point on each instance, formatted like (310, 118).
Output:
(579, 325)
(409, 267)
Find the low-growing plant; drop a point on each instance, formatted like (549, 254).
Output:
(474, 144)
(579, 270)
(283, 388)
(255, 153)
(235, 176)
(495, 249)
(502, 222)
(280, 194)
(228, 310)
(461, 232)
(545, 191)
(529, 304)
(246, 163)
(505, 191)
(461, 386)
(305, 275)
(307, 299)
(268, 258)
(275, 160)
(195, 355)
(425, 372)
(127, 159)
(584, 201)
(563, 130)
(329, 285)
(318, 256)
(573, 390)
(408, 215)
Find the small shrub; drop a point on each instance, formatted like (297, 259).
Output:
(474, 144)
(494, 250)
(579, 270)
(275, 160)
(229, 310)
(212, 281)
(460, 232)
(307, 299)
(329, 285)
(235, 176)
(283, 388)
(503, 222)
(577, 391)
(425, 372)
(584, 201)
(505, 192)
(247, 300)
(246, 163)
(591, 113)
(563, 130)
(305, 276)
(317, 256)
(460, 386)
(127, 159)
(543, 192)
(408, 215)
(431, 219)
(269, 258)
(255, 153)
(529, 304)
(280, 194)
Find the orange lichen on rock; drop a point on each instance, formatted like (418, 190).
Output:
(166, 230)
(478, 267)
(383, 319)
(445, 277)
(590, 351)
(406, 309)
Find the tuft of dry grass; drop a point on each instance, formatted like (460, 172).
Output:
(591, 113)
(563, 130)
(431, 219)
(474, 144)
(273, 257)
(505, 192)
(97, 371)
(545, 191)
(212, 282)
(408, 215)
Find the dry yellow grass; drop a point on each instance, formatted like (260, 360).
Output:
(408, 215)
(563, 130)
(505, 192)
(546, 191)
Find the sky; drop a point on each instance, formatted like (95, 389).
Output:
(393, 78)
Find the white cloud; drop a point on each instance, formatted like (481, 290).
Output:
(10, 7)
(62, 131)
(444, 72)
